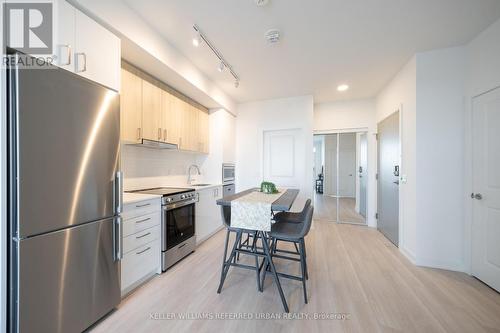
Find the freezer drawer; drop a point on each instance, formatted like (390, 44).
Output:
(67, 279)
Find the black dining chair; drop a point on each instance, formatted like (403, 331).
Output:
(292, 232)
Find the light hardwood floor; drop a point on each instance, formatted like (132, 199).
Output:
(353, 270)
(326, 209)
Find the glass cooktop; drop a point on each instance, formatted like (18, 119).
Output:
(163, 190)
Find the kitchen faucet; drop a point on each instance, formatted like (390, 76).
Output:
(190, 181)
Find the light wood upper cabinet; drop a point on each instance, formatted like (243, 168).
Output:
(170, 119)
(187, 118)
(151, 112)
(131, 107)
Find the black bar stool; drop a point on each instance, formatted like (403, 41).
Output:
(295, 232)
(237, 249)
(248, 249)
(290, 217)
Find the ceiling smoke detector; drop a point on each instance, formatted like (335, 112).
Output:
(261, 3)
(273, 36)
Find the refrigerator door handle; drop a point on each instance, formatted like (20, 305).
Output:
(119, 192)
(118, 239)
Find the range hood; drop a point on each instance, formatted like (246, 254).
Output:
(156, 144)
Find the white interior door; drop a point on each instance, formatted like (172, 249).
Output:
(282, 158)
(486, 187)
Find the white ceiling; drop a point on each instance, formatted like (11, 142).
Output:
(324, 42)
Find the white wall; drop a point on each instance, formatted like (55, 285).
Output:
(358, 115)
(222, 126)
(278, 114)
(440, 186)
(400, 94)
(482, 75)
(318, 155)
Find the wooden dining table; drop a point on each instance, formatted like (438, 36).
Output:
(283, 203)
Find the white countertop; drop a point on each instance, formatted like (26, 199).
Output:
(138, 197)
(199, 188)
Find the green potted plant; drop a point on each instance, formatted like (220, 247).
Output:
(268, 188)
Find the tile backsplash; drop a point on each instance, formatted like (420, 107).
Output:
(140, 162)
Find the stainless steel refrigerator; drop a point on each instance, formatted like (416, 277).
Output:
(64, 200)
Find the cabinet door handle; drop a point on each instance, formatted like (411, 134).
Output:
(146, 249)
(68, 54)
(164, 135)
(142, 221)
(77, 62)
(138, 133)
(144, 205)
(142, 236)
(159, 133)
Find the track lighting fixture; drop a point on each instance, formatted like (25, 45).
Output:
(223, 64)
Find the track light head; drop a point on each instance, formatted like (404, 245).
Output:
(221, 67)
(197, 40)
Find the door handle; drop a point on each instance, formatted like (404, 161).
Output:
(396, 182)
(77, 62)
(477, 196)
(146, 249)
(119, 191)
(68, 56)
(142, 236)
(142, 221)
(118, 239)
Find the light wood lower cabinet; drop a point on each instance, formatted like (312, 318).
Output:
(141, 243)
(150, 111)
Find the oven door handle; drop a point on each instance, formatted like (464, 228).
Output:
(179, 204)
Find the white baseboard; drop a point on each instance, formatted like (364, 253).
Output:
(408, 254)
(449, 266)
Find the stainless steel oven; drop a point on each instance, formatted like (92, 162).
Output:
(178, 230)
(228, 173)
